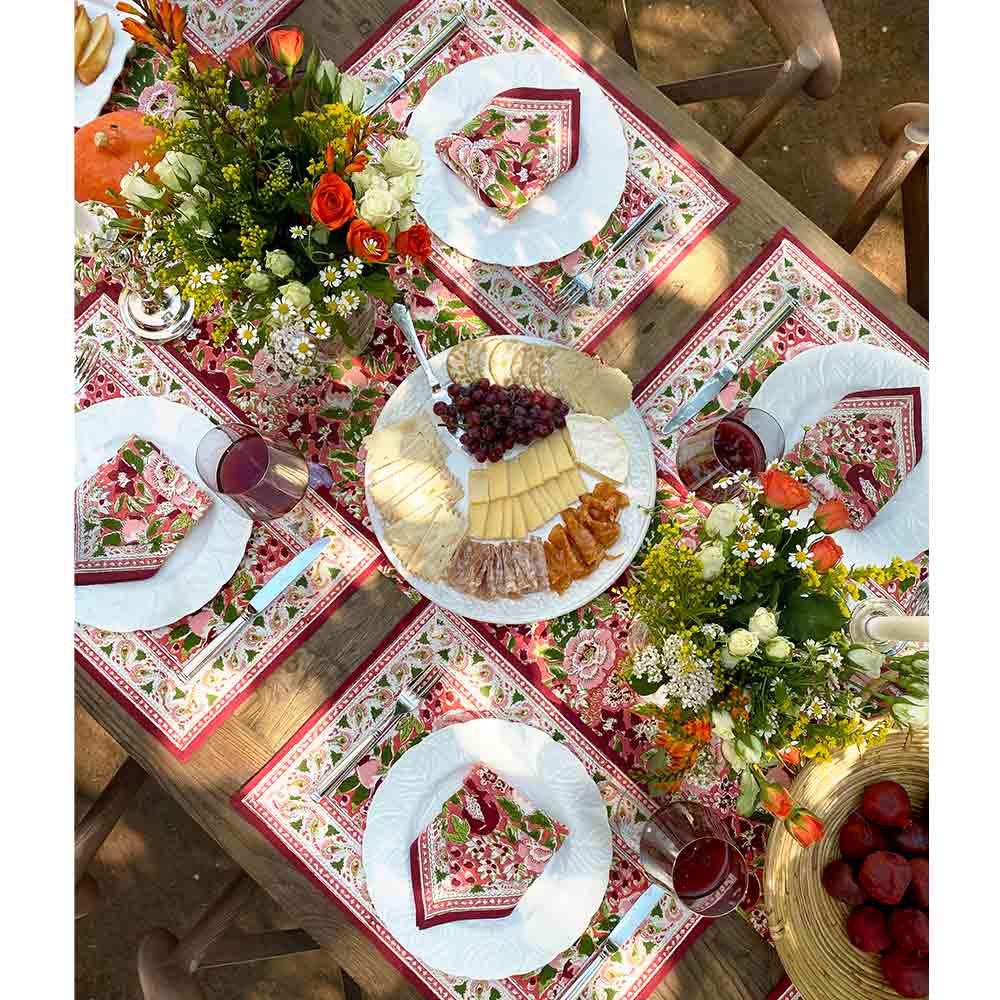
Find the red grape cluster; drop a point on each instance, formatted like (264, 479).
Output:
(494, 418)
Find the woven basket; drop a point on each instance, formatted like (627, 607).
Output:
(806, 924)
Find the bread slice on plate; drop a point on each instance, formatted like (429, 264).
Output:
(81, 33)
(94, 56)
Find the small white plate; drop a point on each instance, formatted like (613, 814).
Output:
(557, 907)
(88, 99)
(801, 391)
(202, 563)
(569, 212)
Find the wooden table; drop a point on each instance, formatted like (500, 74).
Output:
(729, 960)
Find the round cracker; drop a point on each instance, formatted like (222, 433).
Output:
(502, 362)
(522, 355)
(607, 394)
(458, 362)
(478, 358)
(566, 371)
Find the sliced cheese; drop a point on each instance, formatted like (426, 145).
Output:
(520, 528)
(477, 520)
(560, 453)
(546, 460)
(566, 495)
(568, 438)
(395, 488)
(532, 514)
(496, 474)
(553, 500)
(531, 466)
(568, 481)
(441, 486)
(508, 518)
(479, 489)
(439, 543)
(494, 520)
(516, 480)
(576, 481)
(599, 447)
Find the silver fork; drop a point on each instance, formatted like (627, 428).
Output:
(582, 283)
(397, 79)
(410, 698)
(84, 364)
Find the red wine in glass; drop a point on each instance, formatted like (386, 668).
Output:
(709, 873)
(744, 439)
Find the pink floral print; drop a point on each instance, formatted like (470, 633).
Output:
(590, 656)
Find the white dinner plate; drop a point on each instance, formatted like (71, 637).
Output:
(207, 557)
(801, 391)
(413, 396)
(88, 99)
(557, 907)
(570, 210)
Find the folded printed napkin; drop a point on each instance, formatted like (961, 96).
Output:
(132, 513)
(516, 146)
(863, 449)
(481, 852)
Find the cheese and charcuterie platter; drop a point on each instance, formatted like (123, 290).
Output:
(523, 497)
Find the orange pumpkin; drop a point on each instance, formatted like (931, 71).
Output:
(106, 150)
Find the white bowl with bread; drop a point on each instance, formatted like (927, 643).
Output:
(100, 47)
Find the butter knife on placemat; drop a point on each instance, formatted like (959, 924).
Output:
(630, 922)
(264, 597)
(723, 375)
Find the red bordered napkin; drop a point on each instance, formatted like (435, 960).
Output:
(481, 852)
(516, 146)
(132, 513)
(863, 450)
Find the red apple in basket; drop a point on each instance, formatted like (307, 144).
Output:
(885, 876)
(913, 839)
(858, 838)
(920, 882)
(839, 882)
(910, 930)
(886, 803)
(906, 973)
(868, 930)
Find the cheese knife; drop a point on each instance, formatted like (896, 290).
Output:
(261, 601)
(723, 375)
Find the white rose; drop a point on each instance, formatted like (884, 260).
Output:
(778, 649)
(137, 191)
(278, 262)
(327, 72)
(911, 712)
(352, 91)
(742, 642)
(721, 522)
(763, 624)
(869, 661)
(727, 659)
(296, 294)
(406, 218)
(710, 557)
(402, 156)
(722, 723)
(378, 206)
(370, 177)
(190, 209)
(257, 281)
(403, 186)
(179, 171)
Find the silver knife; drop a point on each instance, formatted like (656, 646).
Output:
(264, 597)
(624, 929)
(723, 375)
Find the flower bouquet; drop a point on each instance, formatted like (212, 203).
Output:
(743, 613)
(274, 203)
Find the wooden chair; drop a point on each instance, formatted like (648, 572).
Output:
(905, 129)
(94, 827)
(167, 964)
(812, 64)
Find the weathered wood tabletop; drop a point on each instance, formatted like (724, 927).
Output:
(729, 960)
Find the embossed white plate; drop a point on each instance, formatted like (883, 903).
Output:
(207, 557)
(412, 396)
(569, 212)
(803, 390)
(554, 912)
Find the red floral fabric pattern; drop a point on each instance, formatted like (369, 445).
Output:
(132, 513)
(522, 141)
(863, 450)
(481, 852)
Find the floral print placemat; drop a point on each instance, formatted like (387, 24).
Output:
(323, 839)
(522, 300)
(785, 991)
(141, 669)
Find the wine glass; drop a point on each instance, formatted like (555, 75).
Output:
(686, 848)
(264, 477)
(743, 439)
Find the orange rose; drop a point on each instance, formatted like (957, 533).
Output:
(826, 553)
(286, 45)
(414, 242)
(832, 516)
(366, 242)
(784, 491)
(332, 201)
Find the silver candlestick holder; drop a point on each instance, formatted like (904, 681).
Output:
(881, 623)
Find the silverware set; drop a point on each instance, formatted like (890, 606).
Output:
(84, 364)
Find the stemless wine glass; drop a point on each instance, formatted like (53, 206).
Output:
(744, 438)
(687, 848)
(264, 477)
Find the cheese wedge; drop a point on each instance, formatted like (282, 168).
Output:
(477, 520)
(531, 467)
(494, 520)
(496, 474)
(599, 447)
(406, 536)
(546, 460)
(520, 528)
(517, 483)
(439, 543)
(508, 518)
(560, 453)
(532, 515)
(479, 489)
(441, 486)
(399, 485)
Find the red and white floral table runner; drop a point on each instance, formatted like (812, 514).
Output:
(141, 669)
(219, 26)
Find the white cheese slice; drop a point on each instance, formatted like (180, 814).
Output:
(598, 446)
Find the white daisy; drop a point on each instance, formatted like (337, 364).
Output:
(800, 473)
(743, 548)
(215, 275)
(833, 657)
(298, 232)
(800, 558)
(246, 335)
(765, 554)
(330, 276)
(282, 310)
(348, 302)
(302, 347)
(321, 330)
(353, 267)
(791, 522)
(195, 281)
